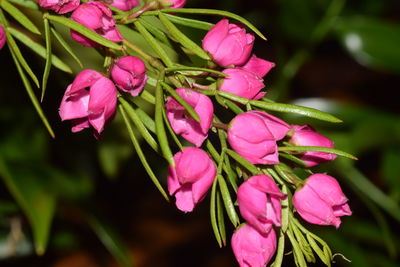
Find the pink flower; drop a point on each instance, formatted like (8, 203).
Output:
(253, 135)
(258, 66)
(60, 6)
(90, 100)
(321, 201)
(3, 37)
(177, 3)
(228, 44)
(242, 83)
(97, 17)
(252, 248)
(259, 202)
(190, 179)
(307, 136)
(129, 74)
(124, 5)
(185, 125)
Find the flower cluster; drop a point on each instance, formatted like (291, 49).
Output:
(254, 136)
(91, 99)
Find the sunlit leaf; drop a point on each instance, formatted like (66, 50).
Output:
(19, 16)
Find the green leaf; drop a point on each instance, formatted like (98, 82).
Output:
(293, 159)
(181, 101)
(192, 23)
(213, 213)
(147, 120)
(31, 94)
(19, 16)
(160, 130)
(318, 149)
(185, 68)
(242, 161)
(36, 202)
(279, 250)
(209, 12)
(289, 108)
(84, 31)
(48, 57)
(221, 220)
(39, 49)
(372, 42)
(226, 197)
(139, 124)
(141, 155)
(285, 209)
(182, 38)
(26, 3)
(159, 34)
(154, 44)
(145, 95)
(297, 252)
(19, 58)
(111, 241)
(66, 46)
(317, 249)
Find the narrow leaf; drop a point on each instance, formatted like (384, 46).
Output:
(297, 253)
(318, 250)
(171, 131)
(285, 209)
(182, 38)
(153, 44)
(181, 101)
(48, 57)
(18, 56)
(31, 94)
(213, 212)
(139, 124)
(186, 68)
(160, 130)
(19, 16)
(279, 250)
(36, 202)
(66, 46)
(289, 108)
(210, 12)
(221, 220)
(293, 159)
(148, 97)
(39, 49)
(226, 197)
(192, 23)
(84, 31)
(147, 120)
(111, 241)
(159, 34)
(318, 149)
(26, 3)
(242, 161)
(141, 155)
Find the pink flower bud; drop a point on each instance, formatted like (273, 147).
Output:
(177, 3)
(258, 66)
(242, 83)
(321, 201)
(60, 6)
(190, 179)
(185, 125)
(3, 37)
(97, 17)
(259, 202)
(253, 135)
(124, 5)
(252, 248)
(307, 136)
(90, 100)
(129, 74)
(228, 44)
